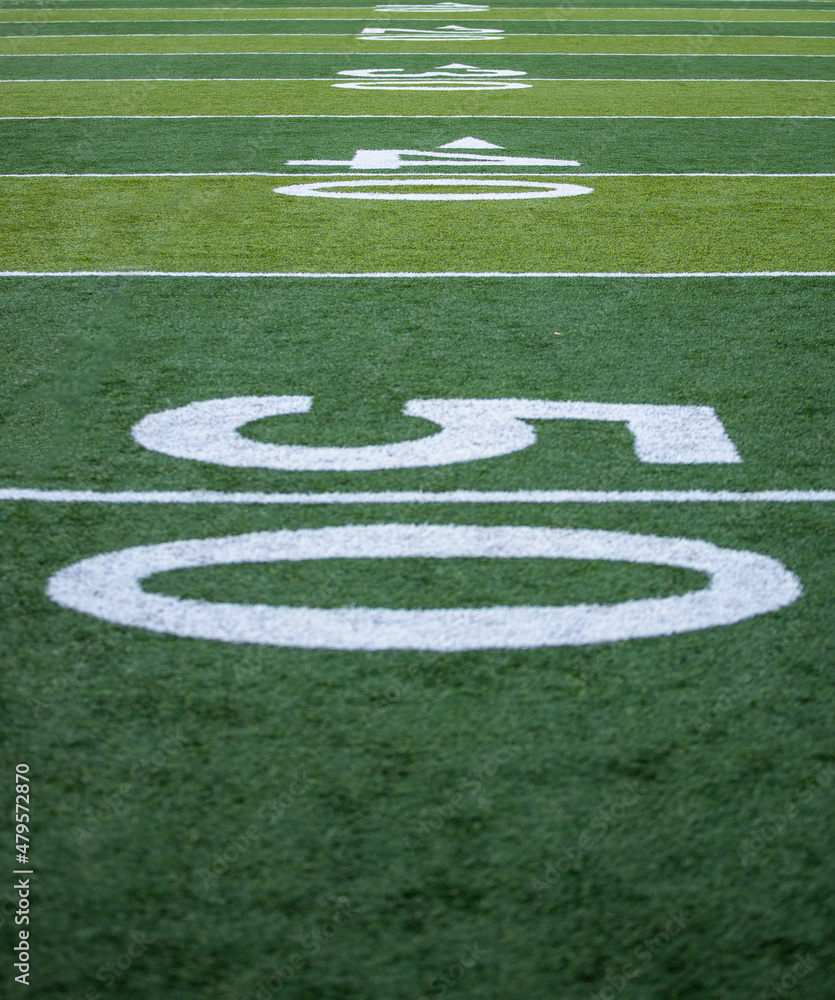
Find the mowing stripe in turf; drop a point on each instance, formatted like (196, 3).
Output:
(709, 16)
(626, 225)
(320, 44)
(492, 35)
(122, 97)
(370, 55)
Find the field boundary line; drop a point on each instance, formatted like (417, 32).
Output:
(331, 79)
(417, 274)
(422, 173)
(400, 20)
(421, 496)
(571, 55)
(37, 118)
(350, 34)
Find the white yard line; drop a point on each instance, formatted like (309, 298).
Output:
(28, 118)
(377, 16)
(571, 55)
(421, 496)
(417, 274)
(333, 79)
(344, 34)
(416, 173)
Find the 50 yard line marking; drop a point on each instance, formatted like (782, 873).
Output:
(420, 496)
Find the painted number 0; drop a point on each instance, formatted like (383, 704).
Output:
(741, 584)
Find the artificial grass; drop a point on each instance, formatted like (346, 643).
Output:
(765, 27)
(359, 820)
(287, 97)
(312, 66)
(88, 358)
(539, 14)
(516, 42)
(632, 224)
(232, 822)
(607, 145)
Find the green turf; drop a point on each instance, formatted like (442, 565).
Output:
(328, 28)
(299, 97)
(316, 66)
(511, 43)
(238, 224)
(125, 146)
(88, 358)
(542, 14)
(223, 809)
(504, 10)
(647, 819)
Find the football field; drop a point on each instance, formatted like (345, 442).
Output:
(417, 500)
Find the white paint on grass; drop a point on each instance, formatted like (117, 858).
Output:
(742, 585)
(571, 55)
(470, 142)
(336, 189)
(449, 32)
(471, 430)
(386, 79)
(418, 496)
(394, 159)
(38, 118)
(453, 76)
(416, 173)
(417, 274)
(429, 8)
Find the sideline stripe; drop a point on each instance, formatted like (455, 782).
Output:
(399, 20)
(408, 81)
(417, 274)
(350, 34)
(630, 55)
(420, 496)
(38, 118)
(416, 173)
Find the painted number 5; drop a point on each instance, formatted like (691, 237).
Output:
(471, 429)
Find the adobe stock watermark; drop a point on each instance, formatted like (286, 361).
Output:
(468, 957)
(311, 943)
(644, 954)
(114, 970)
(592, 835)
(781, 985)
(768, 828)
(241, 843)
(469, 792)
(111, 805)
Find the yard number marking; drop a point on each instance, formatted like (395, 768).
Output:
(447, 33)
(453, 76)
(430, 8)
(471, 429)
(394, 159)
(742, 585)
(351, 189)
